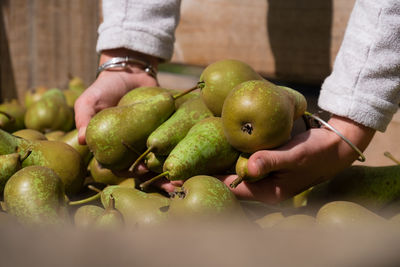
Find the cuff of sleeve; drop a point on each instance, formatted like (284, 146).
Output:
(115, 37)
(360, 111)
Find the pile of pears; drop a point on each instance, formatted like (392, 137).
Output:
(154, 135)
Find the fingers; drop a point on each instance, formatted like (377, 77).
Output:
(84, 111)
(265, 161)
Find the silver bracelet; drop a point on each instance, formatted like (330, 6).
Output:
(123, 62)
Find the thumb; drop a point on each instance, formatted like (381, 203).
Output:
(265, 161)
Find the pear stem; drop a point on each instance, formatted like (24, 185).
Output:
(146, 184)
(361, 155)
(93, 188)
(140, 158)
(84, 201)
(27, 153)
(236, 182)
(390, 156)
(198, 85)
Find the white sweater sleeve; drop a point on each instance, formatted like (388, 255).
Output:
(365, 82)
(146, 26)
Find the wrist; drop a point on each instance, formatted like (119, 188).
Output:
(356, 133)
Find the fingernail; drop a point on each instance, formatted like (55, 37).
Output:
(259, 165)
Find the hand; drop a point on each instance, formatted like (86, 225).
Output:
(308, 159)
(109, 87)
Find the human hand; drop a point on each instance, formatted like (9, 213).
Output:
(109, 87)
(306, 160)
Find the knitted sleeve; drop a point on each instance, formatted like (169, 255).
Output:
(146, 26)
(365, 82)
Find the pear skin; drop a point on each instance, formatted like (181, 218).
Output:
(219, 78)
(117, 135)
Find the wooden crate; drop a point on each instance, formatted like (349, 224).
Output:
(43, 41)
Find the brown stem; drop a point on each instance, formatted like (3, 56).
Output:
(199, 85)
(140, 158)
(146, 184)
(236, 182)
(93, 188)
(390, 156)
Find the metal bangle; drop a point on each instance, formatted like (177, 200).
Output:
(123, 62)
(361, 156)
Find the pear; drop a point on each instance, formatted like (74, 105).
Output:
(71, 138)
(54, 135)
(348, 215)
(154, 162)
(270, 220)
(219, 78)
(111, 218)
(62, 158)
(103, 175)
(71, 96)
(30, 134)
(75, 83)
(10, 164)
(85, 216)
(179, 101)
(35, 196)
(33, 95)
(50, 113)
(140, 94)
(372, 187)
(205, 198)
(163, 139)
(12, 116)
(243, 172)
(138, 208)
(258, 115)
(117, 135)
(204, 150)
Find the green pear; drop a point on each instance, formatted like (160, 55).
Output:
(154, 162)
(75, 83)
(179, 101)
(85, 216)
(204, 150)
(117, 135)
(206, 198)
(140, 94)
(138, 208)
(30, 134)
(111, 219)
(12, 116)
(269, 220)
(372, 187)
(10, 164)
(163, 139)
(258, 115)
(33, 95)
(71, 138)
(60, 157)
(219, 78)
(243, 172)
(348, 215)
(54, 135)
(50, 113)
(71, 96)
(35, 196)
(103, 175)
